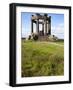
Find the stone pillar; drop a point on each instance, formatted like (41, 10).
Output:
(49, 26)
(31, 26)
(43, 28)
(37, 26)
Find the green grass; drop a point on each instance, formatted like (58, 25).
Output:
(42, 59)
(60, 42)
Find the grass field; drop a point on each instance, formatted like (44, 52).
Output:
(42, 58)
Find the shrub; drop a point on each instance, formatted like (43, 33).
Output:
(35, 37)
(53, 38)
(29, 37)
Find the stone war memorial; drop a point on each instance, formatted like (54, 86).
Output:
(45, 21)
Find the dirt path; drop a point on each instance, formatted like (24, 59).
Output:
(53, 43)
(56, 44)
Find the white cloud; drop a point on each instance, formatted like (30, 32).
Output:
(58, 30)
(61, 24)
(25, 33)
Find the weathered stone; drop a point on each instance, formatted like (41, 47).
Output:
(46, 25)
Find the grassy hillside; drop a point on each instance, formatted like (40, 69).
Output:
(42, 58)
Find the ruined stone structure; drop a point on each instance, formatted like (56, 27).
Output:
(45, 20)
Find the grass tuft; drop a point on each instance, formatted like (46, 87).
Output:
(42, 59)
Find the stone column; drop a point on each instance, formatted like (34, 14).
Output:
(49, 26)
(37, 26)
(31, 26)
(45, 27)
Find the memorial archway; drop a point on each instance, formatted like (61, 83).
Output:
(45, 20)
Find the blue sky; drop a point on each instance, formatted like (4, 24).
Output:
(57, 24)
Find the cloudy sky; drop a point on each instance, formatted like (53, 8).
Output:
(57, 24)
